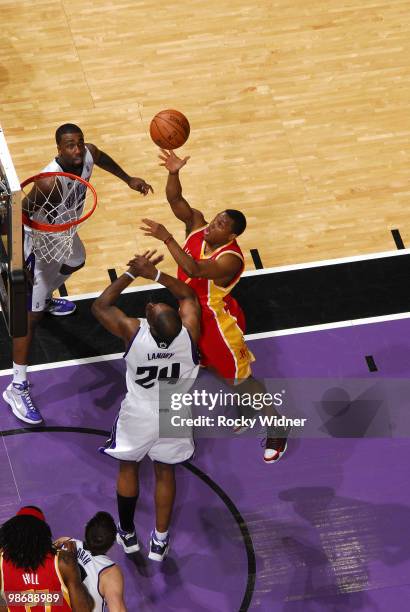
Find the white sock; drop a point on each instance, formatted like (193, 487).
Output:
(19, 373)
(161, 536)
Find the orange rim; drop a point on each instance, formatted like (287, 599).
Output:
(48, 227)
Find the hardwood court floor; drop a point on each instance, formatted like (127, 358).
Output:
(299, 115)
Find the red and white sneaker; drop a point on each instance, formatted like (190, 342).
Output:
(275, 448)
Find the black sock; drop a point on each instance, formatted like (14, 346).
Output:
(126, 510)
(277, 432)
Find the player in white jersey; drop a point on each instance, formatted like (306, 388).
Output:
(161, 347)
(99, 574)
(75, 157)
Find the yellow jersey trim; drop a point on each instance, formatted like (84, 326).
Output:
(203, 256)
(64, 589)
(195, 232)
(1, 575)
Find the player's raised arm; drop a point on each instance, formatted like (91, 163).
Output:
(104, 161)
(81, 600)
(113, 318)
(189, 308)
(192, 218)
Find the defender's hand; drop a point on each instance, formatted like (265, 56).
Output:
(144, 265)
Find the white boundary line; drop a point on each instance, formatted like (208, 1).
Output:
(325, 326)
(70, 362)
(12, 471)
(259, 336)
(87, 296)
(327, 262)
(274, 270)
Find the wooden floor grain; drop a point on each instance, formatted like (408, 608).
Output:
(298, 110)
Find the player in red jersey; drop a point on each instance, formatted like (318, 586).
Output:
(30, 566)
(212, 262)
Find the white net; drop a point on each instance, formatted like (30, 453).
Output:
(52, 246)
(55, 202)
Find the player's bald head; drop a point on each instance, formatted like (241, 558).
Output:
(164, 321)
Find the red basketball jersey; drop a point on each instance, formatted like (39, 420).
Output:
(222, 345)
(213, 299)
(46, 579)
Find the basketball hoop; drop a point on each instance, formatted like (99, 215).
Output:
(53, 211)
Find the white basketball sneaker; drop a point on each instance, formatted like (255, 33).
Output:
(17, 395)
(128, 541)
(158, 549)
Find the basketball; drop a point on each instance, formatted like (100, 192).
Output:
(169, 129)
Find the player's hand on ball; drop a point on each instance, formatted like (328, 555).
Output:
(71, 548)
(144, 265)
(138, 184)
(155, 230)
(60, 542)
(66, 544)
(171, 162)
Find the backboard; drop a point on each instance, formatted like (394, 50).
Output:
(13, 294)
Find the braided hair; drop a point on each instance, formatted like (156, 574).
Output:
(26, 541)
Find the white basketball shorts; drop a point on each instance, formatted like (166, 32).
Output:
(135, 433)
(46, 276)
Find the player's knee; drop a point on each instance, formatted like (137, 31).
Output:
(163, 471)
(129, 466)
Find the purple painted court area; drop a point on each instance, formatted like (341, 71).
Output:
(329, 524)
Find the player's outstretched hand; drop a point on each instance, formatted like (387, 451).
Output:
(155, 230)
(144, 265)
(171, 162)
(138, 184)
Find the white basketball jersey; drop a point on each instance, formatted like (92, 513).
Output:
(91, 566)
(72, 192)
(148, 365)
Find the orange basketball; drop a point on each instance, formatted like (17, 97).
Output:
(169, 129)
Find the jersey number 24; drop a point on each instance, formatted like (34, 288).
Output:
(169, 374)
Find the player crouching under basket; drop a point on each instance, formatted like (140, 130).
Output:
(161, 355)
(55, 203)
